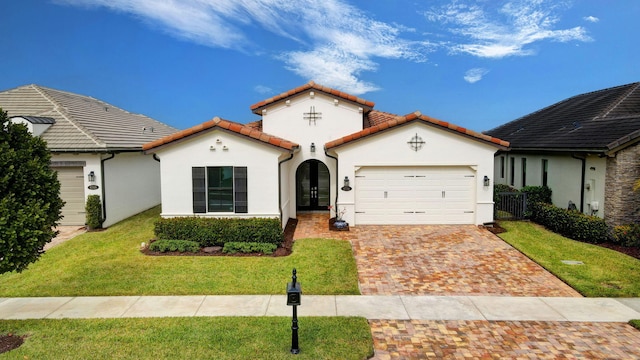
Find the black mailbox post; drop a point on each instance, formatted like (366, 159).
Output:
(294, 294)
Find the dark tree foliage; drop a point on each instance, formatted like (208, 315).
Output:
(30, 204)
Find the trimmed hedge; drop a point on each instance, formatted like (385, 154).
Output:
(537, 194)
(174, 245)
(219, 231)
(627, 235)
(249, 247)
(570, 223)
(93, 209)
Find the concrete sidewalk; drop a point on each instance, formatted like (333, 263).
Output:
(371, 307)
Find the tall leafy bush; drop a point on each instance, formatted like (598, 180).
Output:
(30, 204)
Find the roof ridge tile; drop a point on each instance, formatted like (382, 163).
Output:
(414, 116)
(307, 86)
(231, 126)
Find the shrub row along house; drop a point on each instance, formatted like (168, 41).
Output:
(96, 150)
(585, 148)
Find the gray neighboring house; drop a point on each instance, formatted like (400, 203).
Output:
(585, 148)
(96, 149)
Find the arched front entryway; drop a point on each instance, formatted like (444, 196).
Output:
(312, 186)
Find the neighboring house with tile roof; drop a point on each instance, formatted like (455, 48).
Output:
(316, 147)
(585, 148)
(96, 149)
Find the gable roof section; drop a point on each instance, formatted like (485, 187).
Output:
(82, 123)
(413, 117)
(594, 121)
(249, 132)
(257, 107)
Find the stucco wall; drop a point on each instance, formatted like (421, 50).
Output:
(441, 148)
(286, 120)
(132, 185)
(564, 177)
(262, 172)
(622, 202)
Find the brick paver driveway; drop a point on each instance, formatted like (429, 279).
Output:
(465, 260)
(438, 260)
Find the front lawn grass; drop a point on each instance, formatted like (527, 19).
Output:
(190, 338)
(109, 263)
(635, 324)
(605, 273)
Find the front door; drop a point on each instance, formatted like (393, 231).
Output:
(312, 186)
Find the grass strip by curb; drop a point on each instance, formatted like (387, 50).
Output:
(189, 338)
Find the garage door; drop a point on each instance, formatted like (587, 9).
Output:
(72, 192)
(415, 195)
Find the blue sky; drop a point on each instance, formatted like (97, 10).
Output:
(475, 63)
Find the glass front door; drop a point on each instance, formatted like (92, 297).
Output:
(312, 186)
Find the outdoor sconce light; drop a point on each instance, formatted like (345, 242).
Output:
(91, 177)
(313, 147)
(486, 180)
(346, 186)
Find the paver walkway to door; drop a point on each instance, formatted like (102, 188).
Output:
(465, 260)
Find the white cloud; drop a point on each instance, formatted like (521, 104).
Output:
(474, 75)
(497, 32)
(335, 41)
(264, 90)
(592, 19)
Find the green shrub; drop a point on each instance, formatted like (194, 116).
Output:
(570, 223)
(30, 203)
(536, 194)
(627, 235)
(218, 231)
(249, 247)
(93, 207)
(174, 245)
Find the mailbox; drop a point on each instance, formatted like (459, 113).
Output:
(294, 291)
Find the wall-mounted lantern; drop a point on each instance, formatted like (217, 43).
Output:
(486, 181)
(313, 147)
(91, 177)
(346, 186)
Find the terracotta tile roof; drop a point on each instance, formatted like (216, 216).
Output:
(255, 125)
(594, 121)
(416, 116)
(375, 117)
(310, 85)
(244, 130)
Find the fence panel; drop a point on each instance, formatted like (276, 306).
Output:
(510, 206)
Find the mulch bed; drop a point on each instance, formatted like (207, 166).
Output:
(9, 342)
(283, 250)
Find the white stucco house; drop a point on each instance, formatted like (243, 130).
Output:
(585, 148)
(316, 147)
(96, 149)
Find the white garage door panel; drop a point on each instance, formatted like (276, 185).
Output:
(415, 195)
(72, 192)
